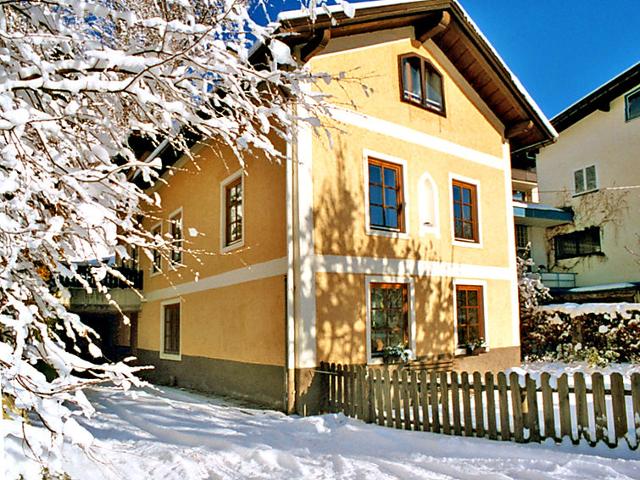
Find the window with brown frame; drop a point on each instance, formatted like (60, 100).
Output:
(470, 315)
(389, 316)
(421, 83)
(175, 228)
(233, 212)
(465, 212)
(385, 196)
(156, 263)
(171, 329)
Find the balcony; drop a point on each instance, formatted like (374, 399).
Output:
(81, 301)
(521, 175)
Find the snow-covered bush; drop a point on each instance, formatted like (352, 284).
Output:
(596, 333)
(77, 79)
(531, 293)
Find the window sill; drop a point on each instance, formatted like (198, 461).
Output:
(232, 247)
(442, 112)
(581, 255)
(176, 357)
(586, 192)
(466, 243)
(387, 233)
(462, 352)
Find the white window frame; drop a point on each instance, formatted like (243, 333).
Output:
(409, 281)
(366, 155)
(170, 356)
(224, 248)
(626, 104)
(177, 212)
(485, 311)
(152, 271)
(432, 228)
(476, 183)
(584, 176)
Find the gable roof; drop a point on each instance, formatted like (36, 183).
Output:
(599, 99)
(453, 31)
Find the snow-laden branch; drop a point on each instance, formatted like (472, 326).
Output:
(78, 79)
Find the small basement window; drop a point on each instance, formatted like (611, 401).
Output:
(421, 83)
(578, 244)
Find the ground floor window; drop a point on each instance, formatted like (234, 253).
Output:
(389, 317)
(171, 329)
(470, 316)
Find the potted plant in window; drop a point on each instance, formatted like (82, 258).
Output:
(396, 354)
(474, 346)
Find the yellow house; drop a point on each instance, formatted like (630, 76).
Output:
(395, 232)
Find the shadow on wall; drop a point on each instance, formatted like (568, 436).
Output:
(339, 219)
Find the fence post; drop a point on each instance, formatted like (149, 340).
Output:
(424, 397)
(565, 409)
(516, 404)
(619, 406)
(396, 400)
(455, 403)
(433, 396)
(532, 407)
(406, 408)
(491, 405)
(415, 400)
(477, 394)
(505, 430)
(547, 407)
(371, 396)
(599, 406)
(387, 397)
(582, 414)
(635, 395)
(466, 404)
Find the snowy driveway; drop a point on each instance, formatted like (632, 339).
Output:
(177, 435)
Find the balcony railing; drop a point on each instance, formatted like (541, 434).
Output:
(133, 275)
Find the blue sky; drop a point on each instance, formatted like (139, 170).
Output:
(560, 49)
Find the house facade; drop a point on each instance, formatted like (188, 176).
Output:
(393, 232)
(592, 170)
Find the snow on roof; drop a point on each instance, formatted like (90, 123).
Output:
(607, 286)
(301, 13)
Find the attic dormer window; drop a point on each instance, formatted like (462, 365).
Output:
(421, 83)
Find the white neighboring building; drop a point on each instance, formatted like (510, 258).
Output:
(594, 168)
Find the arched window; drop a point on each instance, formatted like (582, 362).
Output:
(421, 83)
(428, 209)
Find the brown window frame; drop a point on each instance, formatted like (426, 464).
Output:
(475, 223)
(480, 334)
(228, 205)
(171, 329)
(425, 65)
(399, 195)
(156, 257)
(177, 239)
(404, 308)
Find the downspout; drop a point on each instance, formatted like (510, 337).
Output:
(290, 280)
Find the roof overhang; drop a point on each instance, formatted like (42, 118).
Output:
(599, 99)
(450, 27)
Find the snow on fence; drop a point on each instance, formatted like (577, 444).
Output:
(584, 408)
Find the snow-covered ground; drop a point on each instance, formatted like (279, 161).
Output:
(172, 434)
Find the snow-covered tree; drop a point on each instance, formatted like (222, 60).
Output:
(531, 294)
(77, 80)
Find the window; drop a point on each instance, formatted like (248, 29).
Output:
(632, 105)
(175, 229)
(421, 83)
(171, 329)
(232, 211)
(385, 196)
(522, 238)
(465, 212)
(577, 244)
(584, 180)
(389, 316)
(156, 264)
(469, 315)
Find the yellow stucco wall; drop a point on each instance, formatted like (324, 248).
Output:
(340, 197)
(241, 322)
(341, 317)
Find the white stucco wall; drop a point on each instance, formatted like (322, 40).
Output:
(606, 140)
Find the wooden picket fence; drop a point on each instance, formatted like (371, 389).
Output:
(491, 406)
